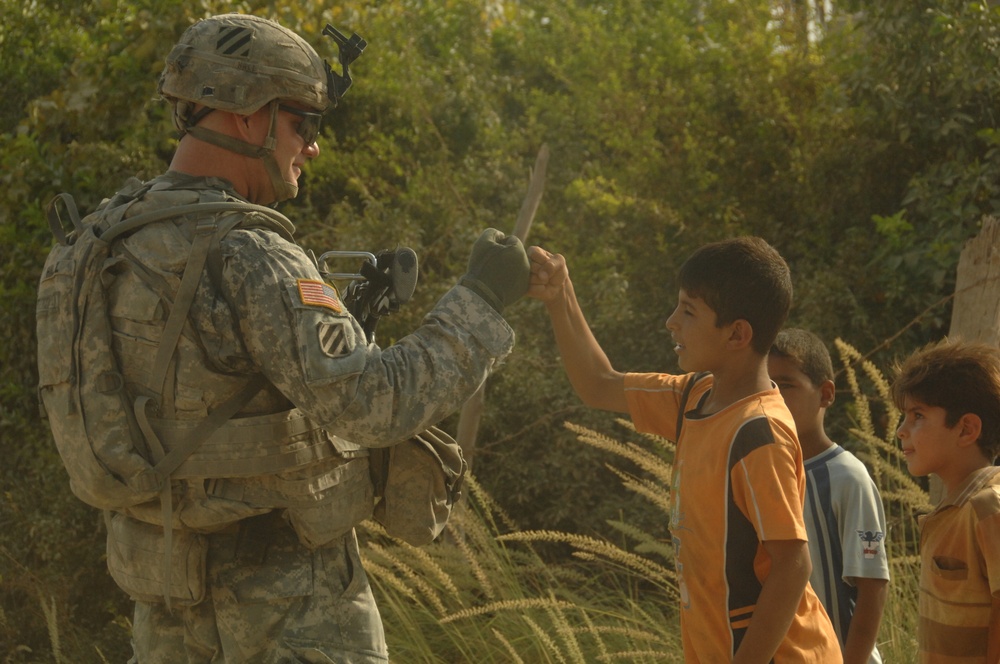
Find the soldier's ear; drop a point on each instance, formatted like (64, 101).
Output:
(251, 127)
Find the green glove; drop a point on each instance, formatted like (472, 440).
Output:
(498, 269)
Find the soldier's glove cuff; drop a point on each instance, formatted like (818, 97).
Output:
(480, 289)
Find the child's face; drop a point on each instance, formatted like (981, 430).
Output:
(697, 341)
(928, 444)
(804, 400)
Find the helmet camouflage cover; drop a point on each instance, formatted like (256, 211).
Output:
(238, 63)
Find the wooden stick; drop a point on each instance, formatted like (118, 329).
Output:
(536, 186)
(472, 411)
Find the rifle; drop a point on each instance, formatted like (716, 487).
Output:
(383, 283)
(387, 280)
(418, 481)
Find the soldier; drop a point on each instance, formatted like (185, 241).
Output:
(260, 561)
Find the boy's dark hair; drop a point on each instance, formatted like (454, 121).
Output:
(742, 278)
(807, 351)
(960, 377)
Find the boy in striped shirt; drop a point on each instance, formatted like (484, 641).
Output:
(843, 509)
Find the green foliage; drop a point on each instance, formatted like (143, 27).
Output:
(867, 156)
(919, 84)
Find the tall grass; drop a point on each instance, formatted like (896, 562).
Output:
(875, 419)
(489, 592)
(486, 593)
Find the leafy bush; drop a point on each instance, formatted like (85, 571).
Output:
(867, 155)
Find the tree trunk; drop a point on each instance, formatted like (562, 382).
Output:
(975, 314)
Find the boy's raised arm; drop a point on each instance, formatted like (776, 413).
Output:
(590, 372)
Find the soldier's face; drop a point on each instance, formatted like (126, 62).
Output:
(292, 152)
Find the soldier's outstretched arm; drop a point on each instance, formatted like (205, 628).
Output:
(302, 338)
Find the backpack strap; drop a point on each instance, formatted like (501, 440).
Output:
(56, 223)
(692, 379)
(183, 300)
(166, 463)
(206, 234)
(279, 222)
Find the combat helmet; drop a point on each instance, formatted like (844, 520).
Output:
(239, 63)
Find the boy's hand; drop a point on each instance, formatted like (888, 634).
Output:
(549, 274)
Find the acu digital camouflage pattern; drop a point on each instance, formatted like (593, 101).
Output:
(250, 318)
(239, 63)
(270, 600)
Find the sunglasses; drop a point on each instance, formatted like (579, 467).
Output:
(308, 129)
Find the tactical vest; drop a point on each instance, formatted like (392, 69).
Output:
(171, 479)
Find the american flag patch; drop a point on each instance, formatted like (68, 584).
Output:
(319, 294)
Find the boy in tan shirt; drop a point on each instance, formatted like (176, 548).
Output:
(950, 397)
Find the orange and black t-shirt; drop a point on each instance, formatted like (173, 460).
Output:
(738, 481)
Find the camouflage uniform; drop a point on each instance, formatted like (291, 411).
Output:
(279, 588)
(248, 553)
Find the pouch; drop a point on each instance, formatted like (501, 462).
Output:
(417, 483)
(137, 555)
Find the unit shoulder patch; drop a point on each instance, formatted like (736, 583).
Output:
(333, 340)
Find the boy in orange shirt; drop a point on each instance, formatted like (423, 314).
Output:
(950, 397)
(739, 538)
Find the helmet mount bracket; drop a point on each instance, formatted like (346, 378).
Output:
(350, 50)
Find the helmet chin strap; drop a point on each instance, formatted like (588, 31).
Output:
(283, 190)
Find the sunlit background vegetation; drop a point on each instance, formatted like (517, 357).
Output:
(859, 138)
